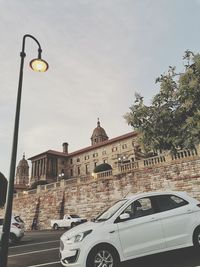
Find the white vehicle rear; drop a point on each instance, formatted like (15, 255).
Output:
(68, 221)
(17, 229)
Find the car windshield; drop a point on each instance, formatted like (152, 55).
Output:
(74, 216)
(18, 219)
(108, 213)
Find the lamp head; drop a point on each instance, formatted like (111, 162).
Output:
(39, 65)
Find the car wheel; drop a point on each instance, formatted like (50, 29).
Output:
(55, 226)
(103, 256)
(196, 238)
(12, 238)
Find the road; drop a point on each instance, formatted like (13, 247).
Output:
(41, 248)
(37, 248)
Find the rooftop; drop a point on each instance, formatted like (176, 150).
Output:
(86, 149)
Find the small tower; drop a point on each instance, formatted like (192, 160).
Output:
(22, 173)
(99, 135)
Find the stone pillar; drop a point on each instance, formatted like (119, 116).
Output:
(35, 168)
(32, 170)
(43, 171)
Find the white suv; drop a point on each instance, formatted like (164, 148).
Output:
(136, 226)
(16, 229)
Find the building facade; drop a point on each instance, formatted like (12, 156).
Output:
(52, 165)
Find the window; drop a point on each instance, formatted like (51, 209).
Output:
(78, 170)
(104, 152)
(124, 146)
(86, 157)
(71, 161)
(78, 160)
(168, 202)
(71, 172)
(114, 149)
(139, 208)
(95, 155)
(87, 169)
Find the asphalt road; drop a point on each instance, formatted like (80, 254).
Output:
(37, 248)
(41, 248)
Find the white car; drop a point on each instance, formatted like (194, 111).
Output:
(136, 226)
(69, 220)
(17, 229)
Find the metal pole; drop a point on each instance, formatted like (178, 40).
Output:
(9, 198)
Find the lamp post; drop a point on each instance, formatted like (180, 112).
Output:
(60, 176)
(37, 65)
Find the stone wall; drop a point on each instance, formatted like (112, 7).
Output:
(88, 196)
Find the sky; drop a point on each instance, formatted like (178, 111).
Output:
(100, 52)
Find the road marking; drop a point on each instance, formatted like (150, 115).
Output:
(43, 264)
(32, 252)
(34, 244)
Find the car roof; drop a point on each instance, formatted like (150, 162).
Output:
(155, 193)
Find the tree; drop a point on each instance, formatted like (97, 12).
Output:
(102, 168)
(3, 189)
(172, 121)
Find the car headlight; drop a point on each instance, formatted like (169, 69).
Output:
(79, 237)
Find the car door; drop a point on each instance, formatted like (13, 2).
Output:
(67, 221)
(142, 232)
(177, 219)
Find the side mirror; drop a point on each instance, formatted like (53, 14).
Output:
(124, 216)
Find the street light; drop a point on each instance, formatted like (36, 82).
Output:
(37, 65)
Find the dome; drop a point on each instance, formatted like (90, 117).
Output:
(99, 134)
(23, 162)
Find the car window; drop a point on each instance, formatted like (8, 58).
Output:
(168, 202)
(74, 216)
(139, 208)
(18, 219)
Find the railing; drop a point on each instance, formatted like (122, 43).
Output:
(104, 174)
(185, 154)
(154, 160)
(129, 166)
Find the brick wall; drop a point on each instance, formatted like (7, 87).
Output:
(88, 196)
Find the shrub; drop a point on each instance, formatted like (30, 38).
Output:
(102, 167)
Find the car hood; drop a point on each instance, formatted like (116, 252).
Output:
(81, 228)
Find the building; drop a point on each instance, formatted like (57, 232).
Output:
(22, 175)
(52, 165)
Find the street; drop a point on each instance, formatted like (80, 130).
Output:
(37, 248)
(41, 248)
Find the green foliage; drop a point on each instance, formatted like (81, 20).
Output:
(102, 167)
(172, 121)
(3, 189)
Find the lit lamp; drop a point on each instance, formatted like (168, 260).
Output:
(39, 65)
(60, 176)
